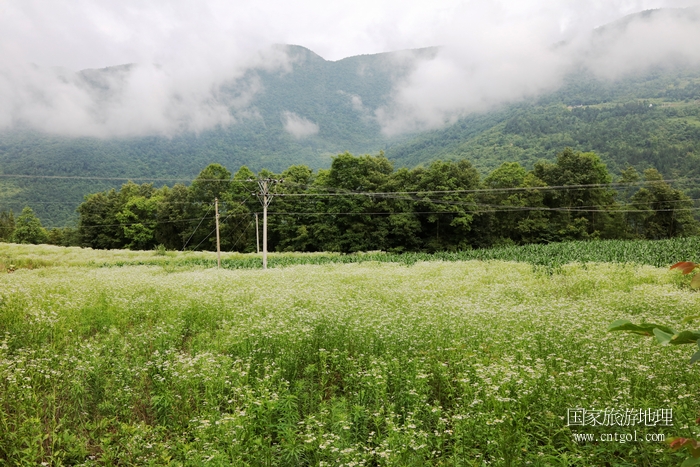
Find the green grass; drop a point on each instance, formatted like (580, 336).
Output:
(463, 363)
(658, 253)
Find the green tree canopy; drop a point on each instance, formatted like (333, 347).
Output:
(28, 228)
(7, 225)
(664, 212)
(580, 200)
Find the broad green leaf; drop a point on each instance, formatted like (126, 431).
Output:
(695, 281)
(645, 329)
(688, 319)
(685, 337)
(686, 267)
(664, 338)
(691, 461)
(695, 357)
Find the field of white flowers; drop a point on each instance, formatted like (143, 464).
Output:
(371, 364)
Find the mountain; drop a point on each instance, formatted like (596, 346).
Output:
(312, 109)
(301, 115)
(644, 121)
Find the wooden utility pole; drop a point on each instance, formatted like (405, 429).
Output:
(265, 197)
(257, 233)
(218, 239)
(265, 201)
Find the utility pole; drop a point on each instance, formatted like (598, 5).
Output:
(257, 233)
(264, 196)
(218, 240)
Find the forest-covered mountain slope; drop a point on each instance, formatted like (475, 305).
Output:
(643, 121)
(301, 115)
(314, 109)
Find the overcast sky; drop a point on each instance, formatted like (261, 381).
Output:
(198, 44)
(97, 33)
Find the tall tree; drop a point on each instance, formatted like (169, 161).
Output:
(583, 210)
(404, 225)
(511, 207)
(663, 212)
(139, 219)
(446, 204)
(352, 223)
(28, 228)
(213, 182)
(98, 226)
(292, 229)
(7, 225)
(173, 224)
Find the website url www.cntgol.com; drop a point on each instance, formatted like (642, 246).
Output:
(619, 437)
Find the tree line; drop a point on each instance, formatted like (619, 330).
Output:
(361, 203)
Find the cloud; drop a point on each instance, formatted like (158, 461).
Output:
(497, 56)
(134, 100)
(297, 126)
(661, 37)
(185, 56)
(188, 54)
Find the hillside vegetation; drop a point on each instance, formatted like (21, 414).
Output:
(363, 204)
(337, 96)
(650, 121)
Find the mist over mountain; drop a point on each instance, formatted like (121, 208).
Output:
(302, 110)
(628, 91)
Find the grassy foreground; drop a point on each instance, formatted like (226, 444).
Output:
(460, 363)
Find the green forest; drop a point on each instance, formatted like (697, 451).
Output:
(643, 121)
(362, 203)
(651, 120)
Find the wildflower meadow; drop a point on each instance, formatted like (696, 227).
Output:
(157, 358)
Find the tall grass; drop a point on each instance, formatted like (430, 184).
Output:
(441, 363)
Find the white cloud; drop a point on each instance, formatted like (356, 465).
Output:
(298, 126)
(143, 99)
(497, 57)
(188, 50)
(662, 38)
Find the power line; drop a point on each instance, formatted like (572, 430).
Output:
(337, 191)
(474, 207)
(475, 190)
(117, 179)
(214, 230)
(195, 229)
(477, 211)
(241, 235)
(492, 208)
(416, 200)
(137, 223)
(397, 213)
